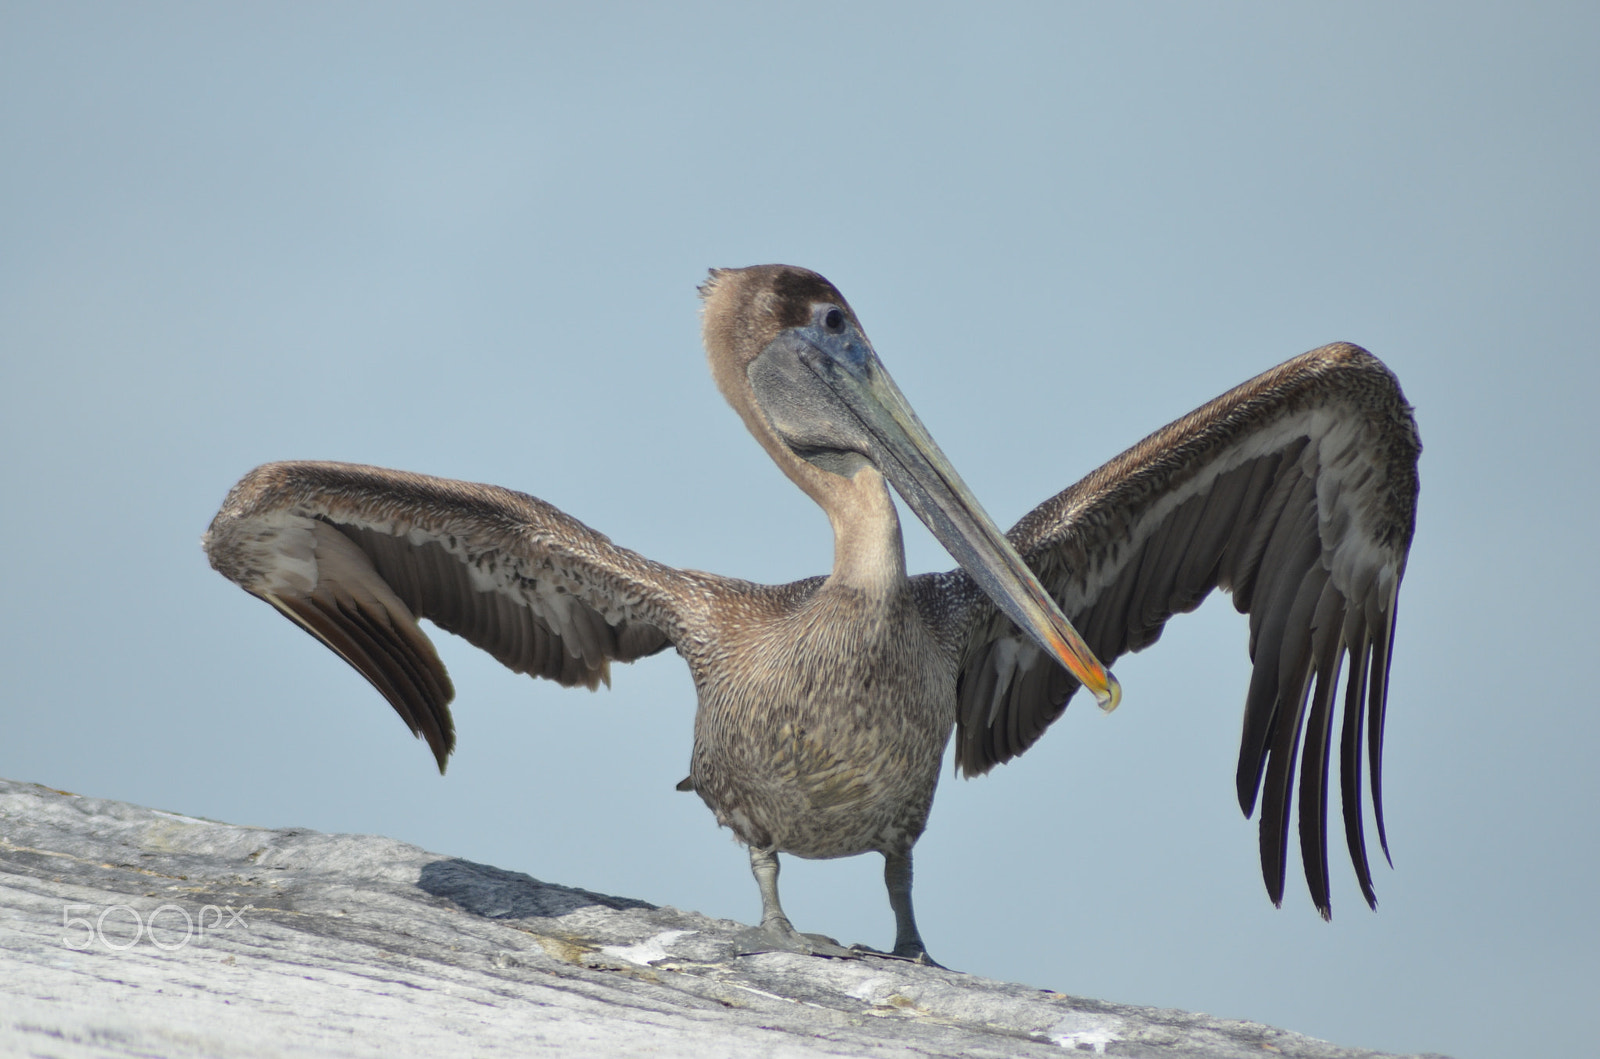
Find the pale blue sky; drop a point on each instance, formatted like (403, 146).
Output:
(465, 240)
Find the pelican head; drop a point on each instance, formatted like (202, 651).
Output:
(790, 356)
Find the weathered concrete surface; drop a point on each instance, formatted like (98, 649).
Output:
(300, 943)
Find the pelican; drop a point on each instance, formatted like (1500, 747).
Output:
(825, 705)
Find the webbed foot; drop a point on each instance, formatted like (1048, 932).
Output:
(780, 936)
(909, 954)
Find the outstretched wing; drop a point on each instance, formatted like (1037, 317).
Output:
(355, 555)
(1296, 492)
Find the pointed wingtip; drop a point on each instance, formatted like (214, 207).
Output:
(440, 742)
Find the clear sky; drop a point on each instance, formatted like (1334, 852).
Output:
(465, 239)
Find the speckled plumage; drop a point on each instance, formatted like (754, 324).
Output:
(857, 702)
(825, 705)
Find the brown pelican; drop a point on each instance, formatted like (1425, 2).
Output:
(825, 705)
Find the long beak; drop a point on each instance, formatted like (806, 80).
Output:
(919, 471)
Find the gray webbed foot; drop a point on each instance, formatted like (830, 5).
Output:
(910, 954)
(780, 936)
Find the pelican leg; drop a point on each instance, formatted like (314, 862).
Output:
(897, 877)
(907, 940)
(764, 866)
(776, 925)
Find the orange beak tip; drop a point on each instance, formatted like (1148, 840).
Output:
(1112, 697)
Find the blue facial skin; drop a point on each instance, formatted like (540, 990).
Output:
(836, 338)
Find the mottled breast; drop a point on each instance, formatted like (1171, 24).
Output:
(824, 713)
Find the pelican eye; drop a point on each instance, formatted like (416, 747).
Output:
(833, 321)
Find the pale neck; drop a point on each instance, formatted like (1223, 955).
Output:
(868, 552)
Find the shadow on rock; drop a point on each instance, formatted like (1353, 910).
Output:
(495, 893)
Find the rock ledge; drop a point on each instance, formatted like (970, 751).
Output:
(131, 931)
